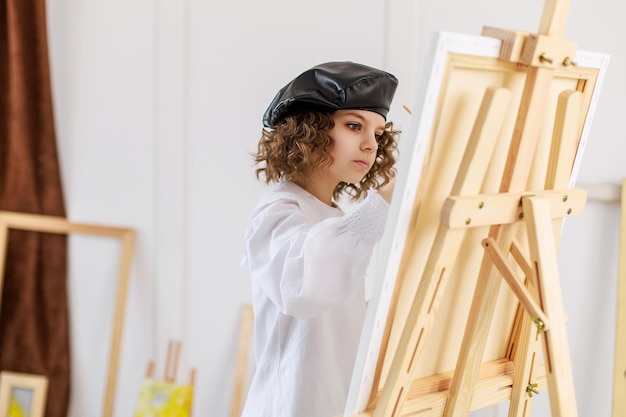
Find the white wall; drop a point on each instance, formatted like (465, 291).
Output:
(103, 65)
(158, 105)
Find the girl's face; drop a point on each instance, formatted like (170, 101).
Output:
(355, 136)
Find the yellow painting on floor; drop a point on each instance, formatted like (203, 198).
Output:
(164, 399)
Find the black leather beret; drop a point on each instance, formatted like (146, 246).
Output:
(333, 86)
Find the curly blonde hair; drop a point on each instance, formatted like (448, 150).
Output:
(300, 144)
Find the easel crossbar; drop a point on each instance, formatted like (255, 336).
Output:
(506, 208)
(427, 396)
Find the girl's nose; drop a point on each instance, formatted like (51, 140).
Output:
(370, 143)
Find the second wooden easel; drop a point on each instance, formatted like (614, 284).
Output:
(518, 223)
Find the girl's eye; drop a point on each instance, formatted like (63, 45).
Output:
(378, 136)
(353, 126)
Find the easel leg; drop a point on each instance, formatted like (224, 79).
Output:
(556, 350)
(524, 350)
(526, 357)
(525, 342)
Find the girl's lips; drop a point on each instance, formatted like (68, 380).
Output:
(362, 164)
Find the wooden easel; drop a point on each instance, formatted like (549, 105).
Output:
(518, 226)
(185, 393)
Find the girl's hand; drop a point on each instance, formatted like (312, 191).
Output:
(386, 191)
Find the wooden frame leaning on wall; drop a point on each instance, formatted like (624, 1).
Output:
(51, 224)
(22, 393)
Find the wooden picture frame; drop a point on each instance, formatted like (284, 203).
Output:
(58, 225)
(27, 392)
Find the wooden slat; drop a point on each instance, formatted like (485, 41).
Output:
(556, 349)
(505, 208)
(553, 17)
(522, 294)
(527, 129)
(564, 144)
(244, 344)
(171, 361)
(619, 368)
(428, 396)
(52, 224)
(119, 312)
(526, 356)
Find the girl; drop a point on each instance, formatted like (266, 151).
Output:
(325, 135)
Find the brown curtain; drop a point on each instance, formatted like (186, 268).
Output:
(33, 316)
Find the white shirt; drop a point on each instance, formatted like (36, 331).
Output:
(307, 262)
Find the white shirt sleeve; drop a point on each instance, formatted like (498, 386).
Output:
(308, 269)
